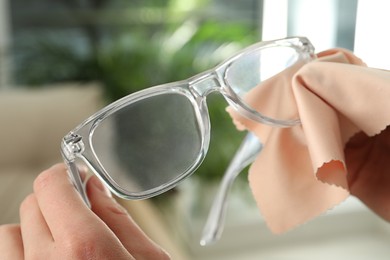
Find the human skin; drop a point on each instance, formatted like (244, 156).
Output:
(56, 224)
(368, 160)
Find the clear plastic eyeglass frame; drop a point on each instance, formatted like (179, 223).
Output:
(77, 144)
(250, 147)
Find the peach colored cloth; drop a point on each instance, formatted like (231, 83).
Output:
(301, 171)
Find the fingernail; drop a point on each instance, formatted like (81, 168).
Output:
(100, 186)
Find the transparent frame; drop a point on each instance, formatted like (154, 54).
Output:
(78, 143)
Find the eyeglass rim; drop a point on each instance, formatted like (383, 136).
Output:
(300, 43)
(91, 158)
(307, 53)
(203, 121)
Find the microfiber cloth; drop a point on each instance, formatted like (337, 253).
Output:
(305, 170)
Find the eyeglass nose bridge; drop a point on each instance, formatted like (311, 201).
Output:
(205, 83)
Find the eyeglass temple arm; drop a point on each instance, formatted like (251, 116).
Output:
(245, 155)
(75, 176)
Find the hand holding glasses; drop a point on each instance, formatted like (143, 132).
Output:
(147, 142)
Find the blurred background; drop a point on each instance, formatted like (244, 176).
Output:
(56, 55)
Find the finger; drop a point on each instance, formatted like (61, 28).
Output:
(35, 232)
(62, 207)
(117, 219)
(11, 245)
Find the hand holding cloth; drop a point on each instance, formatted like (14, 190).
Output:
(342, 146)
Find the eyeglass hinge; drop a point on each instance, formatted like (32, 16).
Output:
(72, 145)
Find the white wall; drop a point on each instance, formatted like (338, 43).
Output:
(274, 24)
(315, 19)
(372, 39)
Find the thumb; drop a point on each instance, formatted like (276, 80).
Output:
(119, 221)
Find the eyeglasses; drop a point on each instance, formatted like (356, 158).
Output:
(147, 142)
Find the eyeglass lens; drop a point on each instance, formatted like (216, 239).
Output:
(148, 143)
(256, 68)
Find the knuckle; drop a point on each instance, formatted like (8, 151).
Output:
(9, 230)
(44, 179)
(32, 254)
(82, 247)
(27, 203)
